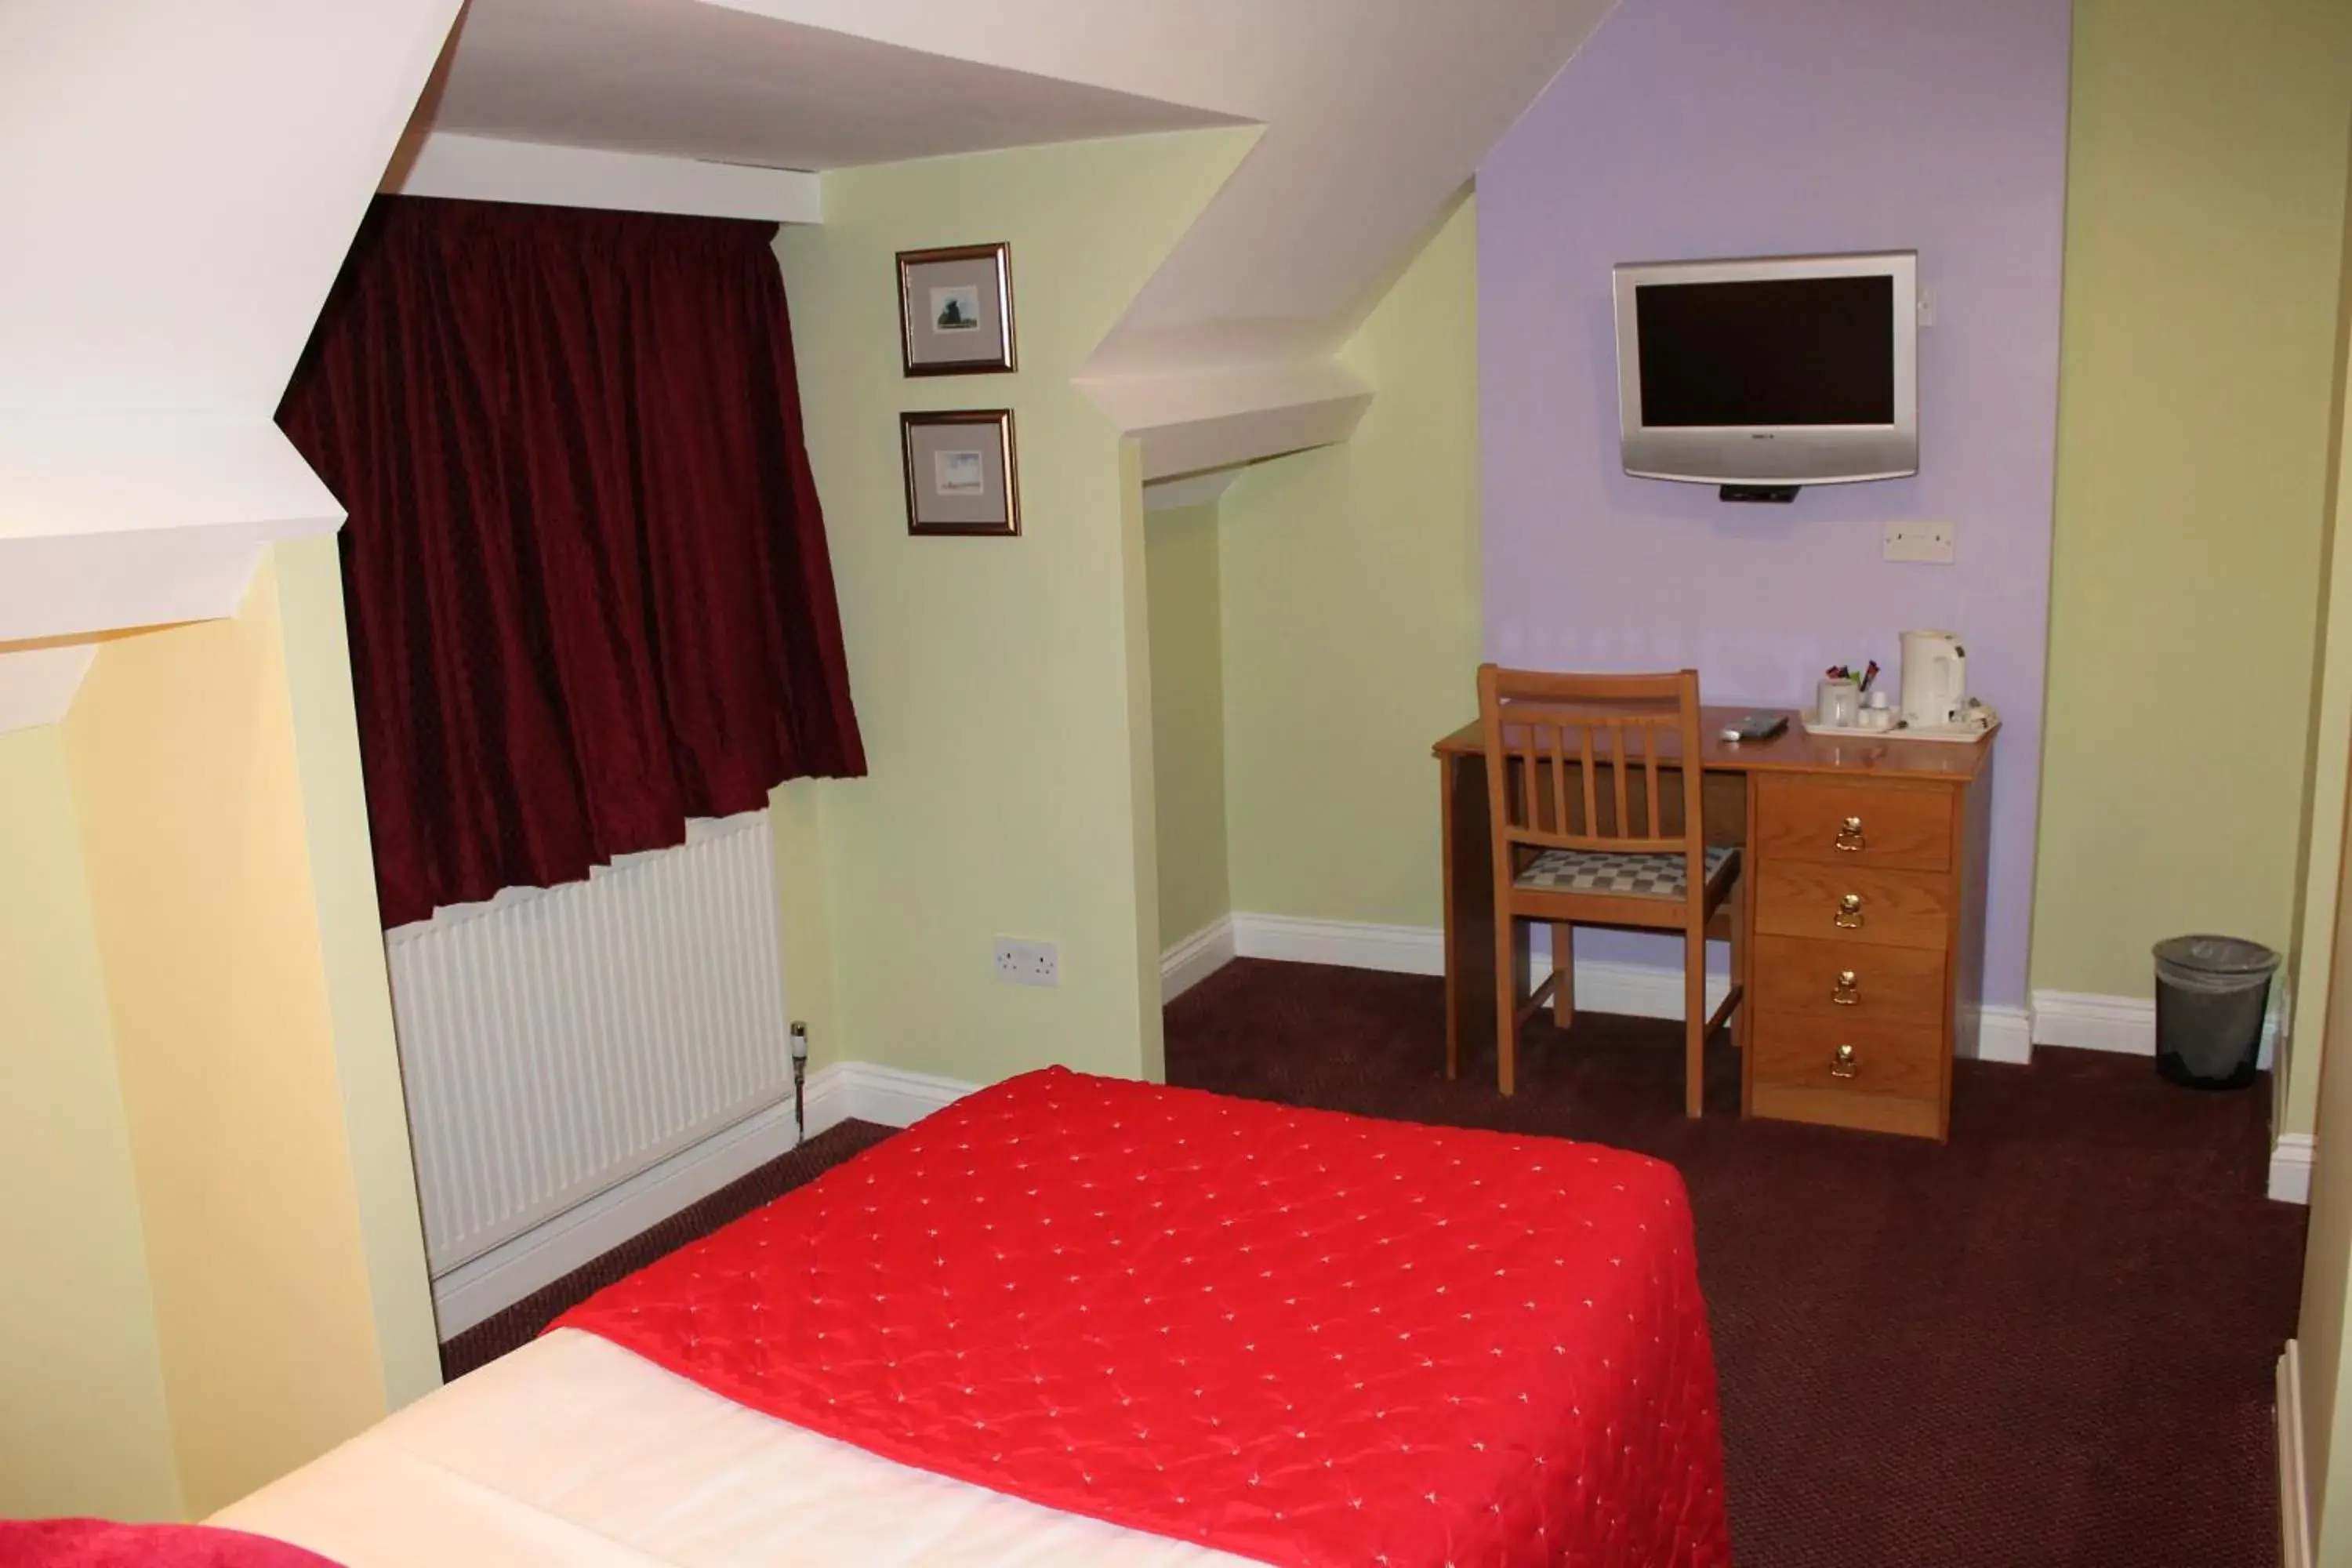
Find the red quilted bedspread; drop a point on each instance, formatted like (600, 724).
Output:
(102, 1544)
(1292, 1335)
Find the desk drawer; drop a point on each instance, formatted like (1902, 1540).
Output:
(1855, 1057)
(1801, 978)
(1873, 825)
(1847, 904)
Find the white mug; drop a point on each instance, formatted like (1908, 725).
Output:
(1838, 704)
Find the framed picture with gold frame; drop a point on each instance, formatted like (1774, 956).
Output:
(955, 309)
(962, 473)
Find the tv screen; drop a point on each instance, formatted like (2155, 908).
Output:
(1769, 371)
(1800, 351)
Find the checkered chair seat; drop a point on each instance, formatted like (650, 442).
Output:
(1607, 871)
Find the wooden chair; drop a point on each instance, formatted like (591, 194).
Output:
(1579, 840)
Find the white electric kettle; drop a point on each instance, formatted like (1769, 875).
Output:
(1934, 680)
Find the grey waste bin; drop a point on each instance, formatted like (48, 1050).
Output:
(2210, 994)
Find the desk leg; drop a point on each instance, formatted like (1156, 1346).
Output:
(1469, 909)
(1744, 1021)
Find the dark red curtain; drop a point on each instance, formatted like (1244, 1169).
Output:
(584, 569)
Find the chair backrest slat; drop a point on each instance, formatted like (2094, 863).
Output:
(1591, 799)
(1530, 782)
(1618, 765)
(1650, 775)
(1559, 785)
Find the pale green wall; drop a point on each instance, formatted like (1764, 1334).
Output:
(2311, 960)
(804, 926)
(2206, 184)
(1188, 718)
(2325, 1014)
(997, 681)
(1351, 610)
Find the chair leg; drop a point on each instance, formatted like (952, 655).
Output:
(1694, 1019)
(1563, 970)
(1506, 1004)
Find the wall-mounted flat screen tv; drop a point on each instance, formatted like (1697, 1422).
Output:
(1794, 370)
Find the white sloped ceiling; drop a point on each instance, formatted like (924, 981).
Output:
(1377, 113)
(181, 183)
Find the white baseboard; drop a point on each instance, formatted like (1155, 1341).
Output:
(488, 1285)
(2290, 1155)
(2294, 1496)
(2085, 1021)
(1194, 959)
(867, 1091)
(1349, 944)
(1634, 990)
(2001, 1035)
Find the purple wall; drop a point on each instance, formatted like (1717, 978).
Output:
(1709, 127)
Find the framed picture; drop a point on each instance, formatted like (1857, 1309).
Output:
(955, 309)
(962, 474)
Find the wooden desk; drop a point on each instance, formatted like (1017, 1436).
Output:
(1866, 957)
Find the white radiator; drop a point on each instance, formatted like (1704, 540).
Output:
(555, 1042)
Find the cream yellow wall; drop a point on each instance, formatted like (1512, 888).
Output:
(83, 1428)
(1351, 619)
(259, 1137)
(997, 681)
(342, 861)
(1188, 718)
(2206, 185)
(2327, 1257)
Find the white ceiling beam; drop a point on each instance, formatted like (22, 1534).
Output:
(1190, 489)
(116, 524)
(486, 169)
(38, 684)
(1192, 421)
(126, 474)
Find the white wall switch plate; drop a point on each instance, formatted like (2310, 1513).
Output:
(1028, 962)
(1918, 541)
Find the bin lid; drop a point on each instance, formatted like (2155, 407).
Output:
(2216, 955)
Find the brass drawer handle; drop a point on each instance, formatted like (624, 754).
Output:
(1847, 991)
(1849, 837)
(1848, 914)
(1843, 1063)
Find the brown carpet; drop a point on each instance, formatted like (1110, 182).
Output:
(2049, 1343)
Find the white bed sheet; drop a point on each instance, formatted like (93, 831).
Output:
(574, 1451)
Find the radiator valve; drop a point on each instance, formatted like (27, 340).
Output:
(800, 1081)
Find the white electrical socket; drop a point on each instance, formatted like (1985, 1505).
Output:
(1028, 962)
(1918, 541)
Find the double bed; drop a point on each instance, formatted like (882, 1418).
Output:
(1072, 1319)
